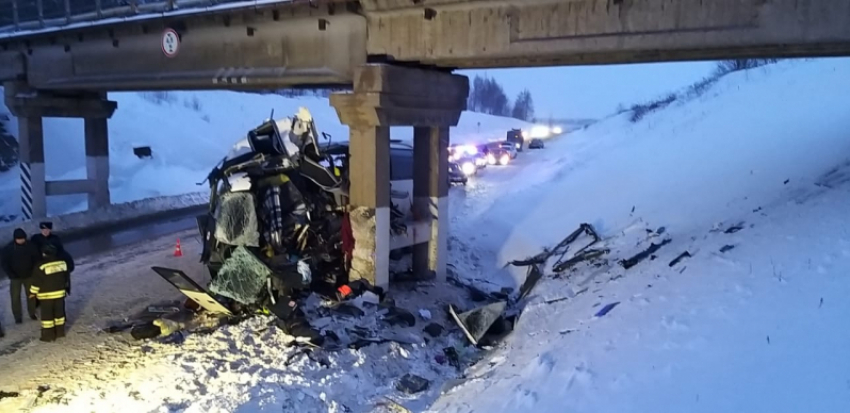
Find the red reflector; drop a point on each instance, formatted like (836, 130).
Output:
(344, 290)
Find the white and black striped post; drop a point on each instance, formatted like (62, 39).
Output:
(26, 191)
(31, 150)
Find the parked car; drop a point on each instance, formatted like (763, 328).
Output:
(535, 144)
(456, 175)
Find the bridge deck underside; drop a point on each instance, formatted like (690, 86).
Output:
(298, 44)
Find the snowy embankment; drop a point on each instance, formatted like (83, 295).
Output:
(188, 133)
(756, 327)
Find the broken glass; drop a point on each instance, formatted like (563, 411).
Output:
(242, 277)
(236, 223)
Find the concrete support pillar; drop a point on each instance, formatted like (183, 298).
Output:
(97, 162)
(385, 96)
(431, 202)
(369, 200)
(31, 106)
(31, 159)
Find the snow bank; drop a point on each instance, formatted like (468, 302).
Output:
(720, 155)
(188, 132)
(755, 328)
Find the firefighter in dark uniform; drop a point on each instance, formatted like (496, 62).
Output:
(50, 279)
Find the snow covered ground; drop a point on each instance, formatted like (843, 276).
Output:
(188, 132)
(758, 327)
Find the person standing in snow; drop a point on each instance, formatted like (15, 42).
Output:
(47, 236)
(48, 286)
(18, 261)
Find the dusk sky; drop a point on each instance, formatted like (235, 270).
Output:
(595, 91)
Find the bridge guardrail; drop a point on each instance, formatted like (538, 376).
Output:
(21, 15)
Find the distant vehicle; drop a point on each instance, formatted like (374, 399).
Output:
(456, 175)
(499, 156)
(470, 158)
(510, 148)
(535, 144)
(517, 138)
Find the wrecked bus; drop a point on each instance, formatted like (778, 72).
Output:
(277, 225)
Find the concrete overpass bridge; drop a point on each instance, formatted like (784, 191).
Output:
(60, 57)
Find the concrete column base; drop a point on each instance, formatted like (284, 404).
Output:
(429, 258)
(371, 229)
(431, 202)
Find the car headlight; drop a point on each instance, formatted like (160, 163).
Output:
(468, 168)
(557, 130)
(491, 159)
(504, 159)
(517, 145)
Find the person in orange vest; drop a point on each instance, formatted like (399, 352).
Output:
(51, 279)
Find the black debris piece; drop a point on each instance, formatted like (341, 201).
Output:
(562, 248)
(821, 303)
(433, 330)
(735, 228)
(117, 328)
(726, 248)
(585, 255)
(605, 310)
(8, 395)
(633, 209)
(350, 310)
(533, 275)
(757, 209)
(147, 330)
(452, 357)
(681, 256)
(476, 322)
(786, 182)
(412, 384)
(631, 262)
(399, 316)
(661, 230)
(653, 257)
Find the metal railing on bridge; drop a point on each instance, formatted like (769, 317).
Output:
(21, 15)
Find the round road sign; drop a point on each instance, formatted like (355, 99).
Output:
(170, 43)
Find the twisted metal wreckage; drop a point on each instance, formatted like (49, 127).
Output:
(278, 229)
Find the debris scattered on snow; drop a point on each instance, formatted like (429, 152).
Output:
(412, 384)
(635, 260)
(679, 258)
(605, 310)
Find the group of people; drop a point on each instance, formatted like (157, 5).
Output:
(40, 268)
